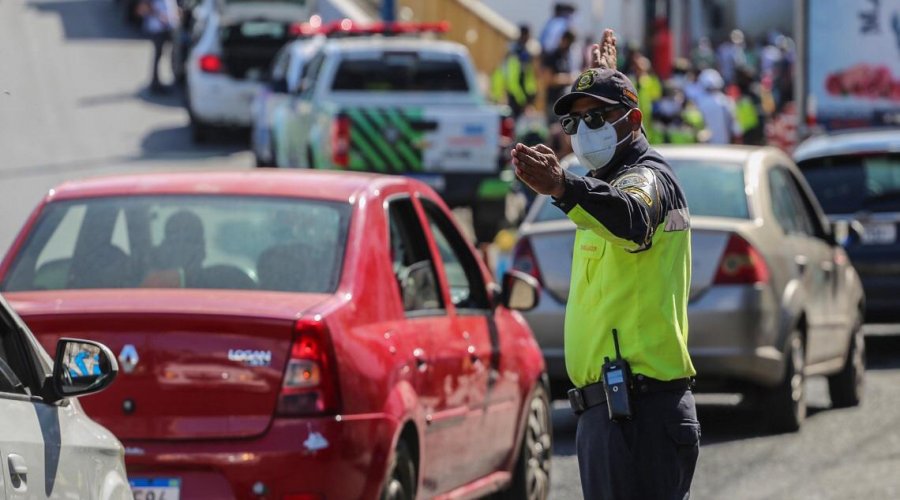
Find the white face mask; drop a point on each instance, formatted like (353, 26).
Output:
(595, 148)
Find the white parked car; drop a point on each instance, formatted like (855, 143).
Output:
(284, 84)
(50, 448)
(231, 59)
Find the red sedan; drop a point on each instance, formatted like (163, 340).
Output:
(290, 335)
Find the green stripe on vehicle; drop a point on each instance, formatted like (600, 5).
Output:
(493, 189)
(359, 143)
(413, 138)
(401, 145)
(360, 122)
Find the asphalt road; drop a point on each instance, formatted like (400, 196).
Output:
(73, 104)
(838, 454)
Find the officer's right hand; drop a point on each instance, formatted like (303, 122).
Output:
(539, 168)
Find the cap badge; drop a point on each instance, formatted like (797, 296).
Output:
(585, 80)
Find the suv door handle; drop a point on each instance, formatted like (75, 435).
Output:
(17, 466)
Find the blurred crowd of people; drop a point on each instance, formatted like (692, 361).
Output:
(738, 91)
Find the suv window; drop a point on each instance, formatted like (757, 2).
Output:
(400, 72)
(849, 184)
(467, 288)
(412, 263)
(13, 365)
(249, 47)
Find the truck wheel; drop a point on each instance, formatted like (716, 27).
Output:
(531, 475)
(846, 386)
(401, 483)
(200, 132)
(488, 218)
(787, 403)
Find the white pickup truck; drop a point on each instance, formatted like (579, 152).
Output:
(400, 105)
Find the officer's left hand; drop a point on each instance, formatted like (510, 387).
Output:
(539, 168)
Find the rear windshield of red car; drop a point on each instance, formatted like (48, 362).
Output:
(714, 189)
(220, 242)
(850, 184)
(400, 72)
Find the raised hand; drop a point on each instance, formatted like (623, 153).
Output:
(603, 55)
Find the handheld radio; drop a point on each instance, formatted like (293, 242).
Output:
(616, 384)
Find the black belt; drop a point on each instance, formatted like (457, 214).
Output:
(593, 394)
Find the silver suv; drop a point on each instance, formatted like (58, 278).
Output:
(49, 447)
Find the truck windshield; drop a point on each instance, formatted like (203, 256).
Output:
(852, 183)
(400, 73)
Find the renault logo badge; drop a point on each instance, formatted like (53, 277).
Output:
(129, 358)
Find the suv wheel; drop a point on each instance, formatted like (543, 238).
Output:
(846, 386)
(531, 476)
(787, 403)
(401, 484)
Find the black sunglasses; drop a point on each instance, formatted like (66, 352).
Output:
(594, 119)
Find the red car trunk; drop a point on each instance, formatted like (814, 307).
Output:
(210, 374)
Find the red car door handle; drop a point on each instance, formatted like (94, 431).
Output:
(473, 355)
(421, 361)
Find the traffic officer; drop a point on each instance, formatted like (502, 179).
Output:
(515, 81)
(631, 271)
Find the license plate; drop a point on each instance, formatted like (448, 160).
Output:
(437, 182)
(879, 233)
(158, 488)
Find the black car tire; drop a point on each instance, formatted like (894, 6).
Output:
(488, 217)
(200, 131)
(531, 475)
(401, 483)
(786, 404)
(846, 387)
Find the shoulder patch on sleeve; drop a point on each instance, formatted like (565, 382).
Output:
(639, 193)
(631, 180)
(678, 220)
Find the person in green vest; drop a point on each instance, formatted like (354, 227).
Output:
(515, 81)
(631, 270)
(649, 90)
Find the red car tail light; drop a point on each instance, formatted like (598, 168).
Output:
(340, 141)
(524, 259)
(741, 264)
(211, 63)
(310, 385)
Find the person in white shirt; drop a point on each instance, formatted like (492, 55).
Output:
(161, 17)
(717, 109)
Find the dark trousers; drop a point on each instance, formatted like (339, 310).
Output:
(652, 456)
(159, 42)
